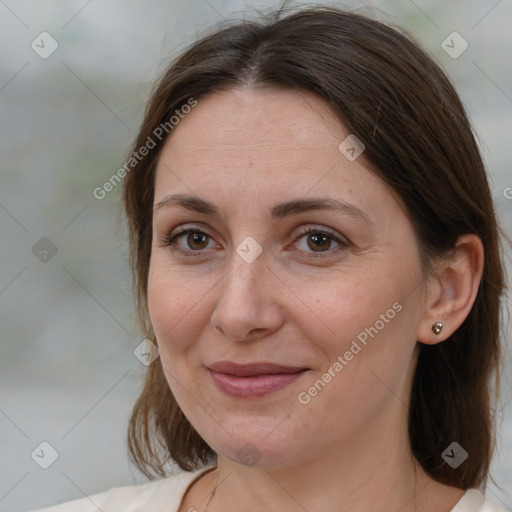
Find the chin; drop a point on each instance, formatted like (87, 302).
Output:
(255, 443)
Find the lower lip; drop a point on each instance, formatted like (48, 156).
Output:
(253, 387)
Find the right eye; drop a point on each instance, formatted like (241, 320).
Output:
(188, 241)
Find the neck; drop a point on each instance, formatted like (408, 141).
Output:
(374, 471)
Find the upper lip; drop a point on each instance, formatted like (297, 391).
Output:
(252, 369)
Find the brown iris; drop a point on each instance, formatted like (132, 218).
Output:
(196, 239)
(319, 242)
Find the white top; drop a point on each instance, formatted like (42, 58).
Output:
(166, 495)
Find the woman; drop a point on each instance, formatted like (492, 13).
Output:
(317, 258)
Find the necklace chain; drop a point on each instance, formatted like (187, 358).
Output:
(213, 493)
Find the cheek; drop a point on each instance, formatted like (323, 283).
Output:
(175, 306)
(177, 314)
(369, 318)
(365, 354)
(342, 305)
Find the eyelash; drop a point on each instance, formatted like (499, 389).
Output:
(170, 241)
(342, 242)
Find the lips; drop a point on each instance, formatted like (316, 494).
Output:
(252, 369)
(253, 380)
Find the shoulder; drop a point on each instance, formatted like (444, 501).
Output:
(473, 501)
(167, 492)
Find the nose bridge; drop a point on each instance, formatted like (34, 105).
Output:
(244, 279)
(245, 302)
(246, 266)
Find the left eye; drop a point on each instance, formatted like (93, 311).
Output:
(318, 241)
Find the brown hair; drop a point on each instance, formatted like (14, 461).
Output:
(397, 100)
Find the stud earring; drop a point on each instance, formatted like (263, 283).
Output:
(437, 327)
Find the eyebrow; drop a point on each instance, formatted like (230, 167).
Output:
(279, 211)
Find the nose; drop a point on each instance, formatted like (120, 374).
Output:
(248, 305)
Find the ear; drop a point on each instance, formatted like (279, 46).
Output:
(451, 292)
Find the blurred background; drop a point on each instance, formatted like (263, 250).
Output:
(74, 79)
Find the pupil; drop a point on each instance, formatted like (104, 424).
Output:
(196, 239)
(324, 242)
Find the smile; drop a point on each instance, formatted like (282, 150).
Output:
(253, 380)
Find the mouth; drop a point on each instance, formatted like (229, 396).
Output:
(254, 380)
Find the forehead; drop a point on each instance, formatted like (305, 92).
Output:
(261, 124)
(250, 121)
(256, 144)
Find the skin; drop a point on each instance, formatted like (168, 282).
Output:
(247, 150)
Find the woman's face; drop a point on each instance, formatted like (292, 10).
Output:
(287, 312)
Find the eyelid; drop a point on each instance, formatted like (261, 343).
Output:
(170, 239)
(184, 228)
(312, 228)
(343, 242)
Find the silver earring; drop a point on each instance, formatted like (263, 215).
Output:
(437, 327)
